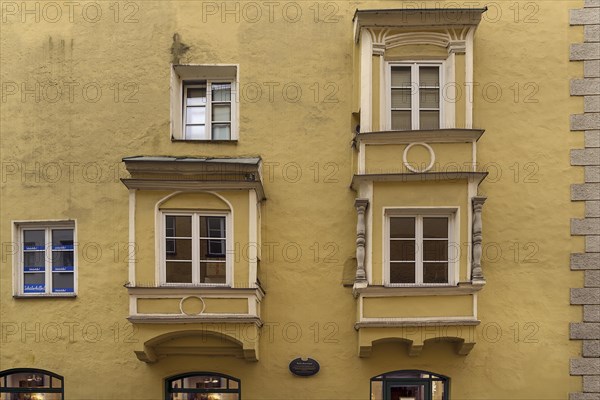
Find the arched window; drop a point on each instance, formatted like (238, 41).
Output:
(410, 384)
(202, 386)
(30, 384)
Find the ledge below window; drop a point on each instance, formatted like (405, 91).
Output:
(204, 141)
(383, 291)
(45, 296)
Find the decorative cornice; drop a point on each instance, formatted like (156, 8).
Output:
(385, 291)
(203, 318)
(478, 177)
(381, 323)
(193, 185)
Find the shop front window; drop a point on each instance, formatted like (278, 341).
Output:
(202, 386)
(410, 385)
(30, 384)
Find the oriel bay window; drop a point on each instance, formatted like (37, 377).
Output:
(195, 248)
(418, 249)
(207, 110)
(47, 259)
(415, 96)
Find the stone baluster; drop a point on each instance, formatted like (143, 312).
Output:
(477, 271)
(361, 275)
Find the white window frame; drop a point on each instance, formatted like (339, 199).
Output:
(453, 215)
(415, 100)
(195, 214)
(188, 75)
(208, 122)
(19, 227)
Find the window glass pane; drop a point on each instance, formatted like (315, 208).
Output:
(438, 390)
(401, 77)
(221, 113)
(221, 92)
(34, 283)
(56, 383)
(178, 226)
(28, 380)
(429, 76)
(62, 261)
(401, 98)
(429, 98)
(195, 115)
(402, 227)
(212, 272)
(196, 132)
(376, 390)
(435, 250)
(221, 131)
(212, 249)
(63, 282)
(435, 272)
(196, 97)
(62, 239)
(204, 382)
(233, 384)
(429, 119)
(402, 272)
(401, 121)
(179, 272)
(179, 249)
(33, 261)
(33, 240)
(435, 227)
(212, 227)
(402, 250)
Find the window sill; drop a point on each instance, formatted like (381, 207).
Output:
(45, 296)
(422, 290)
(204, 141)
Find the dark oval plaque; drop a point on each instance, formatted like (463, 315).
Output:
(307, 367)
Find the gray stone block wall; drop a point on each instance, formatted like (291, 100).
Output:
(588, 329)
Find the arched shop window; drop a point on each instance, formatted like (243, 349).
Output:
(410, 384)
(30, 384)
(202, 386)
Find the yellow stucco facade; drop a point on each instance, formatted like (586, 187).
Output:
(87, 143)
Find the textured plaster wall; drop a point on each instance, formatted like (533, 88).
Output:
(522, 348)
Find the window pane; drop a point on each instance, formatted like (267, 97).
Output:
(62, 238)
(402, 250)
(401, 98)
(438, 390)
(56, 383)
(401, 121)
(401, 77)
(196, 132)
(212, 227)
(212, 272)
(435, 250)
(195, 115)
(33, 261)
(429, 76)
(429, 98)
(402, 227)
(178, 226)
(179, 272)
(34, 240)
(196, 97)
(34, 283)
(435, 227)
(179, 249)
(62, 261)
(62, 282)
(221, 131)
(376, 390)
(429, 119)
(212, 249)
(221, 113)
(221, 92)
(233, 384)
(204, 382)
(435, 272)
(402, 273)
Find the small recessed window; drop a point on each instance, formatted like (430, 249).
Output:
(410, 384)
(195, 248)
(47, 259)
(415, 96)
(418, 249)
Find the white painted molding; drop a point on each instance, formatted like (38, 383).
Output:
(366, 80)
(410, 167)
